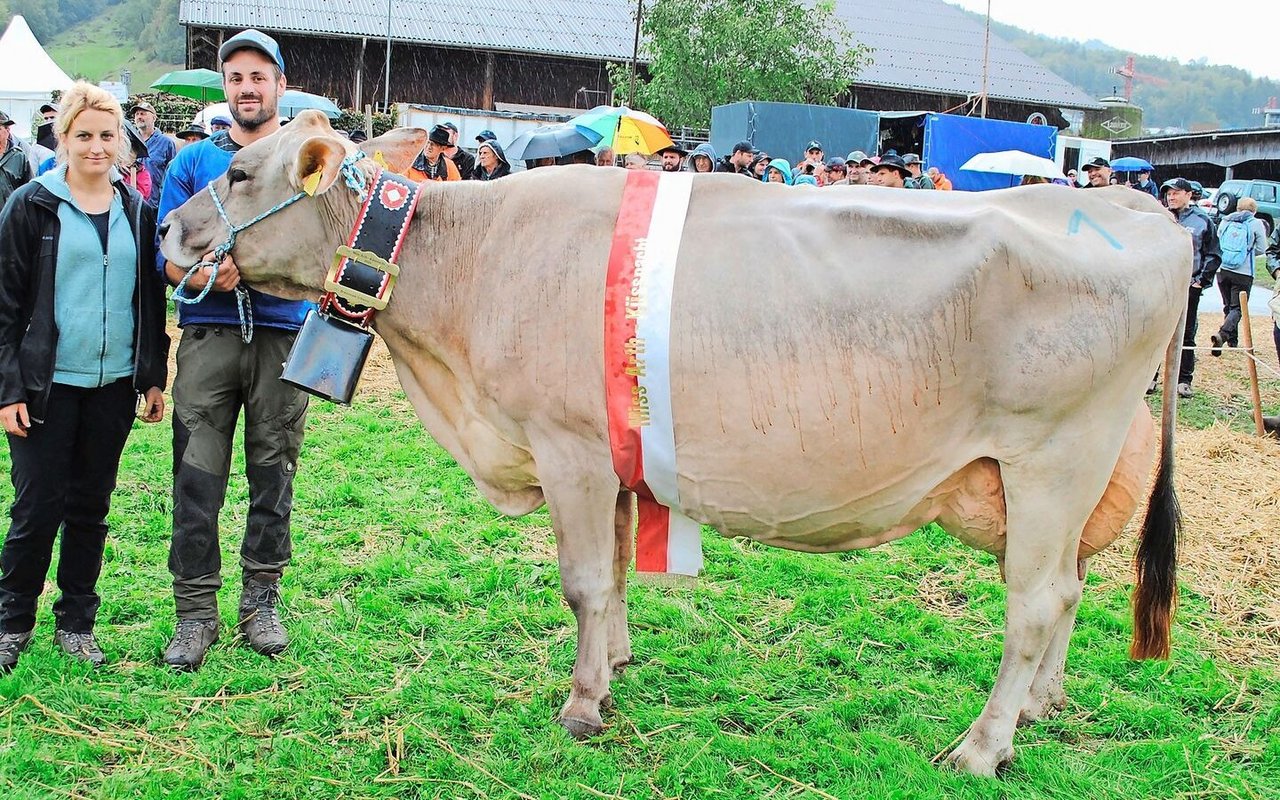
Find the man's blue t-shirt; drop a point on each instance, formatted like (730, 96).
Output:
(160, 152)
(195, 167)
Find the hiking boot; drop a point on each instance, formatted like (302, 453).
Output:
(191, 640)
(1218, 341)
(11, 646)
(80, 645)
(1184, 390)
(259, 618)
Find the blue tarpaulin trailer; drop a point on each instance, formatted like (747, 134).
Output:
(950, 141)
(783, 129)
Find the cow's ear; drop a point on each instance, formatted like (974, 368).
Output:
(399, 147)
(318, 165)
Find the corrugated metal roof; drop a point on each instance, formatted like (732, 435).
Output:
(924, 45)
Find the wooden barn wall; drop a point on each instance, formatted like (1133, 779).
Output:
(422, 74)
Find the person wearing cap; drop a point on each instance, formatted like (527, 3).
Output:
(837, 173)
(1205, 260)
(891, 171)
(917, 180)
(219, 375)
(192, 133)
(739, 161)
(433, 163)
(812, 156)
(1145, 184)
(15, 167)
(160, 148)
(464, 161)
(485, 136)
(856, 174)
(44, 133)
(672, 155)
(219, 123)
(1098, 171)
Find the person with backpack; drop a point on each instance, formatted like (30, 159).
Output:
(1241, 237)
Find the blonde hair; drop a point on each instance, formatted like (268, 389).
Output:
(84, 96)
(1246, 204)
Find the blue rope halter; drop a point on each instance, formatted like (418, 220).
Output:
(351, 175)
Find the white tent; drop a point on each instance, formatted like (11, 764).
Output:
(27, 75)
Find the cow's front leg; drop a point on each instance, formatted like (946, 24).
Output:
(624, 547)
(584, 516)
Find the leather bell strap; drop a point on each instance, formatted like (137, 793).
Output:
(364, 270)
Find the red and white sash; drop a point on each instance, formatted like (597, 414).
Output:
(637, 338)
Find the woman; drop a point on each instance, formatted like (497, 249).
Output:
(758, 165)
(778, 171)
(82, 315)
(135, 172)
(491, 162)
(635, 161)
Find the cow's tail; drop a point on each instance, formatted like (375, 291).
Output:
(1156, 560)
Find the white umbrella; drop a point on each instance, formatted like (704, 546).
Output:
(1013, 162)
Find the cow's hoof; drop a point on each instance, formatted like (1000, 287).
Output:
(580, 728)
(970, 758)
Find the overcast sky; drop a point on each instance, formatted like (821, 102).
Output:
(1239, 33)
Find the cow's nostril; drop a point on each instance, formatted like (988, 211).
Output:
(164, 228)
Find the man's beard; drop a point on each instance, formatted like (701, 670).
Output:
(265, 114)
(670, 167)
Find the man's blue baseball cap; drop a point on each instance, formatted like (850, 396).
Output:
(254, 40)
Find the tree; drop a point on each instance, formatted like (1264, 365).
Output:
(705, 53)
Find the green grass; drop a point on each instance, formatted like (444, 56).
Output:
(432, 650)
(98, 49)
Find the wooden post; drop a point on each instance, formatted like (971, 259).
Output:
(368, 121)
(486, 97)
(1246, 336)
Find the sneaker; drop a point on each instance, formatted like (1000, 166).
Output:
(260, 618)
(1217, 341)
(80, 645)
(11, 646)
(191, 640)
(1184, 390)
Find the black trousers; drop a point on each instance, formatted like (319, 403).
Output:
(1231, 284)
(1188, 368)
(63, 474)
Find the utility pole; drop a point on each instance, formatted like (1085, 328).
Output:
(986, 61)
(386, 82)
(635, 55)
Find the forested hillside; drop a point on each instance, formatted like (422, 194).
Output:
(1191, 95)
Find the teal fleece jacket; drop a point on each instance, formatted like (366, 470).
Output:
(93, 292)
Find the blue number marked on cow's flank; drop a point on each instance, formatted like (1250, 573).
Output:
(1073, 227)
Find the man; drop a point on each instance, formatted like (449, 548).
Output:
(218, 375)
(891, 172)
(15, 168)
(917, 180)
(464, 161)
(1098, 173)
(940, 180)
(1204, 263)
(812, 157)
(703, 159)
(433, 163)
(1145, 184)
(45, 136)
(485, 136)
(219, 123)
(857, 164)
(160, 148)
(1241, 237)
(671, 156)
(739, 161)
(193, 133)
(837, 172)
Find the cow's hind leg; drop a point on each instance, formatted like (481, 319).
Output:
(584, 516)
(624, 545)
(1044, 525)
(1047, 696)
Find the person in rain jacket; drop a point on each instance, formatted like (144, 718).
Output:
(778, 171)
(702, 159)
(491, 162)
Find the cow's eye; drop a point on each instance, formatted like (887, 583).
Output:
(237, 175)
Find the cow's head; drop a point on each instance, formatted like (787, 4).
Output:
(288, 252)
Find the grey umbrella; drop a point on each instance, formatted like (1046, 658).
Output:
(552, 141)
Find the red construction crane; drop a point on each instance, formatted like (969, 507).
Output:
(1130, 75)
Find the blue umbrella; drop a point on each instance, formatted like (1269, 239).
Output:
(552, 141)
(1131, 164)
(294, 102)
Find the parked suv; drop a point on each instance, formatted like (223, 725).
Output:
(1267, 193)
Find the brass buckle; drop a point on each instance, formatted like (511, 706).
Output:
(369, 259)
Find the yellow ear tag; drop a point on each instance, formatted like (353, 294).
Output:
(379, 160)
(312, 182)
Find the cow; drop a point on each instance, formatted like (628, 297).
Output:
(846, 366)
